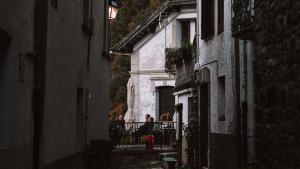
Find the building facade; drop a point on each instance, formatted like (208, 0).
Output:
(215, 82)
(276, 84)
(251, 62)
(54, 83)
(152, 79)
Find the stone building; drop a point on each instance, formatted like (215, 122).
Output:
(153, 81)
(244, 37)
(259, 50)
(215, 82)
(276, 84)
(54, 82)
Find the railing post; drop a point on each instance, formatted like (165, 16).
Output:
(180, 127)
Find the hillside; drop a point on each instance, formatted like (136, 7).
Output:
(131, 12)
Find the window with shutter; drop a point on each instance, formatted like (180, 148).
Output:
(220, 16)
(207, 19)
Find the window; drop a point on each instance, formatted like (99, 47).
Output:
(86, 10)
(221, 98)
(207, 19)
(185, 33)
(54, 4)
(88, 23)
(5, 39)
(220, 16)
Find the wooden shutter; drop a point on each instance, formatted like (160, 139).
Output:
(220, 16)
(211, 16)
(207, 24)
(203, 19)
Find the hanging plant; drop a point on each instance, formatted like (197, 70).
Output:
(178, 55)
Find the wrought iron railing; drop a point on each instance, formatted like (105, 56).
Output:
(243, 20)
(131, 135)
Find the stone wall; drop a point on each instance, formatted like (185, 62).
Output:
(277, 84)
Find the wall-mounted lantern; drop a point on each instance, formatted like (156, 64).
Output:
(112, 9)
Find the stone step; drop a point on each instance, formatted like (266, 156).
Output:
(168, 154)
(169, 162)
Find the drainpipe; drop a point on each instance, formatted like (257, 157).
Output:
(197, 31)
(40, 48)
(197, 69)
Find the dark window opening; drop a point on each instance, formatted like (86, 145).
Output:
(207, 19)
(88, 23)
(221, 98)
(80, 119)
(185, 33)
(220, 16)
(54, 4)
(4, 44)
(5, 39)
(86, 9)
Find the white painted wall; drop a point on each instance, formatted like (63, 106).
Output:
(147, 65)
(216, 54)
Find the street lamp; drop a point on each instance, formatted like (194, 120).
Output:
(112, 9)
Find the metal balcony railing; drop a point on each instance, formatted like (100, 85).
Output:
(132, 135)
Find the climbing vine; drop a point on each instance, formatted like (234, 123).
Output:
(191, 132)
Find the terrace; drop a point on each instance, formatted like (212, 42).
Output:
(143, 144)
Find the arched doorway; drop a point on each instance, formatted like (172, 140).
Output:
(204, 117)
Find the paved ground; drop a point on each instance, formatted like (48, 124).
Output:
(137, 159)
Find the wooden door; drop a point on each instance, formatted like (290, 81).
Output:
(204, 124)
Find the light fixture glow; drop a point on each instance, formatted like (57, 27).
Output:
(112, 9)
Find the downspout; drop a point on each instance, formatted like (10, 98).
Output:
(198, 85)
(40, 48)
(197, 31)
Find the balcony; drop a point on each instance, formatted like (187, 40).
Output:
(134, 135)
(177, 56)
(243, 20)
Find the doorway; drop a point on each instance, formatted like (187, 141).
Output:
(204, 118)
(166, 101)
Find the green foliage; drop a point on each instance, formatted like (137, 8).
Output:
(185, 43)
(191, 133)
(115, 132)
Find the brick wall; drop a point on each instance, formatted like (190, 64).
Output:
(277, 84)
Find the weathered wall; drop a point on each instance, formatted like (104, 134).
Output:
(16, 18)
(66, 70)
(69, 67)
(148, 63)
(277, 84)
(216, 55)
(147, 69)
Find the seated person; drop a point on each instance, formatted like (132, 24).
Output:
(143, 129)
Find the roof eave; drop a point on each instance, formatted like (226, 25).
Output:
(127, 43)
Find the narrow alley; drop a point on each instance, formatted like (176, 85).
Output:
(149, 84)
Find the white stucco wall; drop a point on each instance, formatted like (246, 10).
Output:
(216, 54)
(184, 100)
(147, 65)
